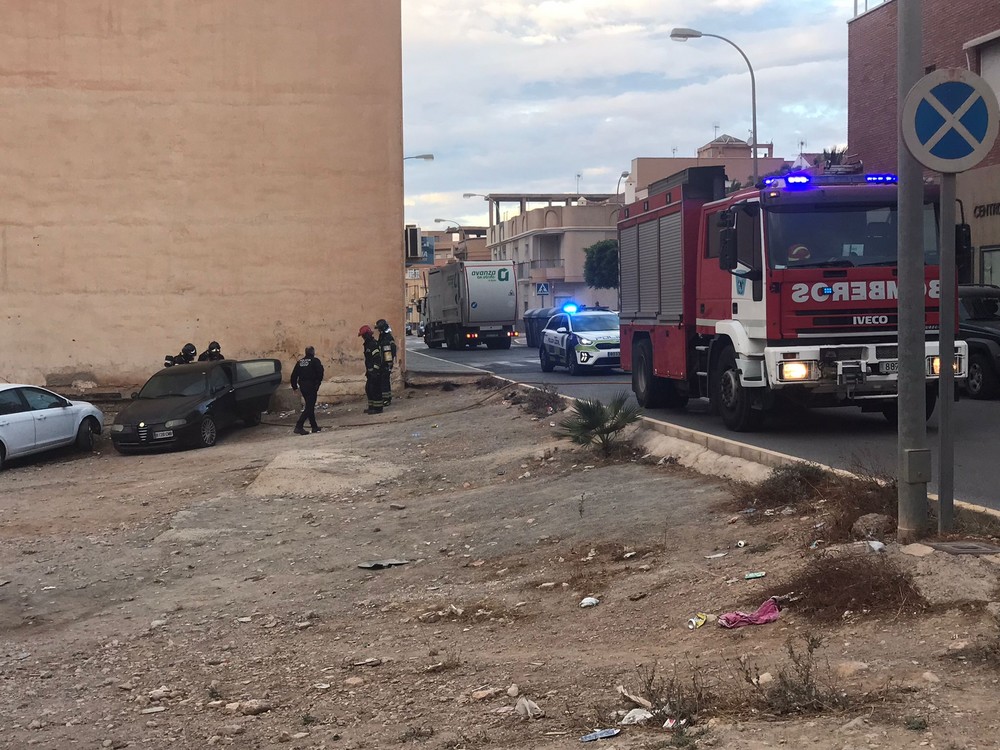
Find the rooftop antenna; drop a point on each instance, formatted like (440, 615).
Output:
(578, 176)
(716, 126)
(802, 147)
(673, 151)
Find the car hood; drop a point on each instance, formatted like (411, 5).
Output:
(154, 410)
(987, 328)
(602, 336)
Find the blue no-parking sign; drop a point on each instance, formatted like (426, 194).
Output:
(950, 120)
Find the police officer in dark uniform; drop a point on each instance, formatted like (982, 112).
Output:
(212, 354)
(186, 357)
(387, 344)
(307, 375)
(373, 370)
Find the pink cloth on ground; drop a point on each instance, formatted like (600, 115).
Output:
(766, 612)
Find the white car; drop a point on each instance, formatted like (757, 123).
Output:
(581, 339)
(33, 420)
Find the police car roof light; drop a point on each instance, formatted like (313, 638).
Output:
(570, 307)
(797, 180)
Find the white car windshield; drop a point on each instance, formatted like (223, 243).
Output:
(589, 323)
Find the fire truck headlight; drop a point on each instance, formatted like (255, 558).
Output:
(934, 365)
(796, 370)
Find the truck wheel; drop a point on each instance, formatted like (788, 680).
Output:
(432, 344)
(648, 388)
(732, 398)
(983, 381)
(543, 358)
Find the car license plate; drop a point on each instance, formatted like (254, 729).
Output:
(888, 367)
(163, 434)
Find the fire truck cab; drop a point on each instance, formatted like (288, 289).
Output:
(785, 293)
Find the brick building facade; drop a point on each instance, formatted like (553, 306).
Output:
(956, 34)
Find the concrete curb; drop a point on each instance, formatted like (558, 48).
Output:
(736, 449)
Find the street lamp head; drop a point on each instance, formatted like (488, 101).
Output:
(422, 157)
(625, 173)
(681, 34)
(474, 195)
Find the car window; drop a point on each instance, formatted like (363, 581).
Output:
(38, 399)
(981, 308)
(217, 380)
(255, 368)
(559, 321)
(608, 322)
(11, 403)
(166, 384)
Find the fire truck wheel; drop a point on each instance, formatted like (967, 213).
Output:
(648, 388)
(543, 358)
(732, 398)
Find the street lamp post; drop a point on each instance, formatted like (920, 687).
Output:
(461, 229)
(422, 157)
(683, 34)
(618, 188)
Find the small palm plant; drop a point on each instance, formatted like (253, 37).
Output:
(592, 422)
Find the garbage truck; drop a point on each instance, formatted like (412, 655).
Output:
(779, 296)
(470, 303)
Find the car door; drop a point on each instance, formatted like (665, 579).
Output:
(17, 423)
(555, 342)
(54, 420)
(220, 385)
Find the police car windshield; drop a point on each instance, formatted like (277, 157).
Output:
(607, 322)
(167, 384)
(816, 236)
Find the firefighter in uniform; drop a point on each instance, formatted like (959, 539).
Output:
(387, 344)
(307, 375)
(373, 370)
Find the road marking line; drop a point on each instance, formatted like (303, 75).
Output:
(438, 359)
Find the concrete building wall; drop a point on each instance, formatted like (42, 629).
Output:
(187, 170)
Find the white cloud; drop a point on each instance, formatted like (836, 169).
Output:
(521, 95)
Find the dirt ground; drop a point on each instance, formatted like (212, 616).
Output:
(213, 597)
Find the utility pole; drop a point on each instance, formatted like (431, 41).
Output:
(914, 456)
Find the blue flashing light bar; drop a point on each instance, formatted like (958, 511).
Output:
(570, 308)
(797, 179)
(881, 178)
(770, 181)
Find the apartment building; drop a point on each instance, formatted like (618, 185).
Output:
(956, 34)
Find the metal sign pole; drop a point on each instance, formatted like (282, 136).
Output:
(914, 456)
(946, 378)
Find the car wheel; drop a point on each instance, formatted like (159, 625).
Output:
(983, 381)
(207, 433)
(543, 358)
(85, 435)
(3, 456)
(574, 367)
(732, 398)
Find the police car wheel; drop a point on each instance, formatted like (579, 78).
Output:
(572, 365)
(543, 358)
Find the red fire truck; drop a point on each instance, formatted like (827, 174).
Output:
(785, 293)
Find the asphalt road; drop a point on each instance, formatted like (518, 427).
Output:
(837, 437)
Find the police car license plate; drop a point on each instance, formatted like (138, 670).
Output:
(888, 367)
(163, 434)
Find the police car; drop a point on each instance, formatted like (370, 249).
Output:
(580, 338)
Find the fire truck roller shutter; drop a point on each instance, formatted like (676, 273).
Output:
(671, 269)
(629, 273)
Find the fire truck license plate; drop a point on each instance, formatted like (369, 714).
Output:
(888, 367)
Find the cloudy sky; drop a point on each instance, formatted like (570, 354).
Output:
(523, 95)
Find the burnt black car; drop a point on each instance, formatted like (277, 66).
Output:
(190, 404)
(979, 326)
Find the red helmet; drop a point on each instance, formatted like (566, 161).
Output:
(364, 330)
